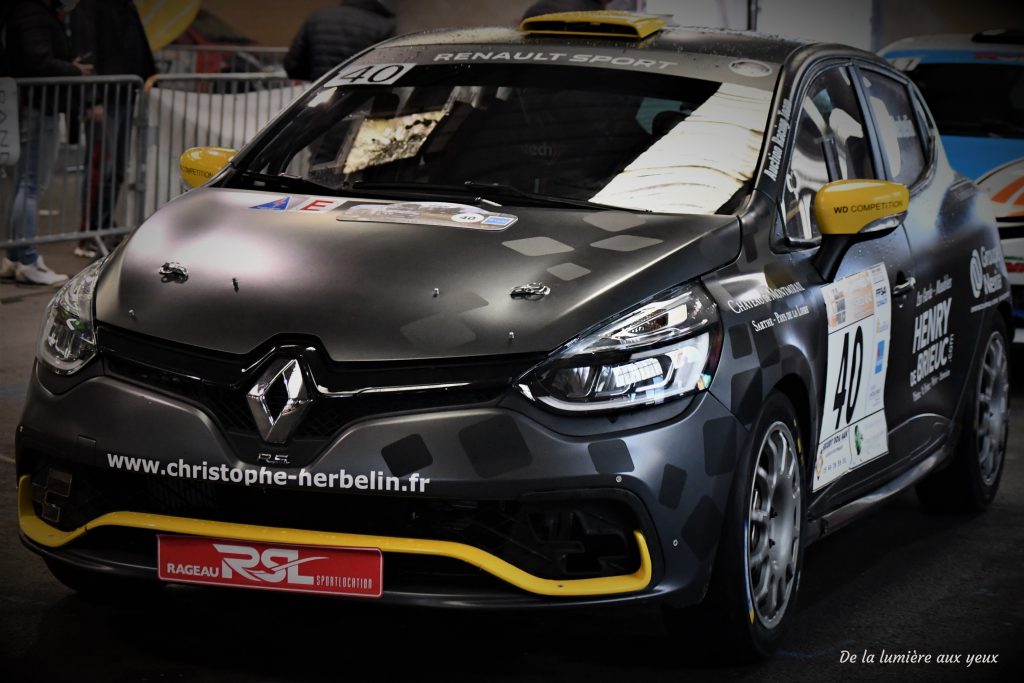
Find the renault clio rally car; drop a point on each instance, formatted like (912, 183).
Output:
(592, 311)
(974, 86)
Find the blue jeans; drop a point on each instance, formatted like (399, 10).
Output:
(39, 133)
(106, 156)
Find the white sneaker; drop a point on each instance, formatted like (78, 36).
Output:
(7, 268)
(85, 252)
(38, 274)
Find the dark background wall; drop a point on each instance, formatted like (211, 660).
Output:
(869, 24)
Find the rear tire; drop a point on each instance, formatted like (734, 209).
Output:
(754, 583)
(970, 481)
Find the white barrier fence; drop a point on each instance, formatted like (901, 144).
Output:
(99, 154)
(216, 110)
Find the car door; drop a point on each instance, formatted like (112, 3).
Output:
(934, 360)
(860, 400)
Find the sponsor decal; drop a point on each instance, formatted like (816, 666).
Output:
(319, 205)
(313, 204)
(292, 568)
(927, 293)
(874, 207)
(853, 428)
(933, 342)
(545, 56)
(763, 296)
(444, 214)
(501, 221)
(986, 275)
(280, 204)
(780, 318)
(263, 476)
(778, 140)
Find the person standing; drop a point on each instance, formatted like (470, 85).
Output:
(112, 32)
(331, 35)
(36, 46)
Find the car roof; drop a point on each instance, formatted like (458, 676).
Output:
(741, 44)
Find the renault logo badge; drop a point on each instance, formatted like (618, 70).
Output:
(279, 400)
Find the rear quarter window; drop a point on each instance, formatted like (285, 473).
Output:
(897, 130)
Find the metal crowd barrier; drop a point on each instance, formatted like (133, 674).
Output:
(217, 110)
(76, 162)
(213, 59)
(100, 153)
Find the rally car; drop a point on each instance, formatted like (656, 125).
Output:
(974, 86)
(590, 311)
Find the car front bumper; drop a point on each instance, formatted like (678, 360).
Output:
(662, 487)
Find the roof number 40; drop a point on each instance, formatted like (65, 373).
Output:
(373, 74)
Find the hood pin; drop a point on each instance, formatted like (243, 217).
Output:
(437, 292)
(234, 282)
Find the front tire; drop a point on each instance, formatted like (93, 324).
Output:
(754, 584)
(971, 480)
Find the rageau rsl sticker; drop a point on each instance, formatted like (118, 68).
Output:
(853, 426)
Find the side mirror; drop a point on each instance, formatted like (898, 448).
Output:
(199, 164)
(849, 211)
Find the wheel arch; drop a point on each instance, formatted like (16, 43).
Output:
(794, 387)
(1005, 309)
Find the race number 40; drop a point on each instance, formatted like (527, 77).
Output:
(369, 74)
(853, 427)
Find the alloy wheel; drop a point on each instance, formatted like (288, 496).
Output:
(772, 536)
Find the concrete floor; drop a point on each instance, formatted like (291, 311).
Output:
(901, 580)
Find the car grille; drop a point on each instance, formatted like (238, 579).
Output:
(217, 383)
(583, 537)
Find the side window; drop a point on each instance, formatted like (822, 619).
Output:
(829, 144)
(923, 114)
(897, 128)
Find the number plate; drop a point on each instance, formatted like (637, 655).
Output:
(853, 426)
(292, 568)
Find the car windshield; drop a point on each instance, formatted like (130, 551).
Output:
(525, 133)
(983, 100)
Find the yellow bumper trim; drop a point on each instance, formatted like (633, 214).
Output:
(42, 533)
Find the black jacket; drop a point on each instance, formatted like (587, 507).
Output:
(35, 42)
(112, 32)
(331, 35)
(552, 6)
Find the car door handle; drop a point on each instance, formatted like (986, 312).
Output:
(905, 287)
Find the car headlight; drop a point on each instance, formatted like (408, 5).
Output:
(667, 347)
(67, 340)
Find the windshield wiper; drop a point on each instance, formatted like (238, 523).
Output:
(414, 190)
(284, 182)
(502, 190)
(481, 191)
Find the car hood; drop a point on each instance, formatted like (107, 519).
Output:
(373, 291)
